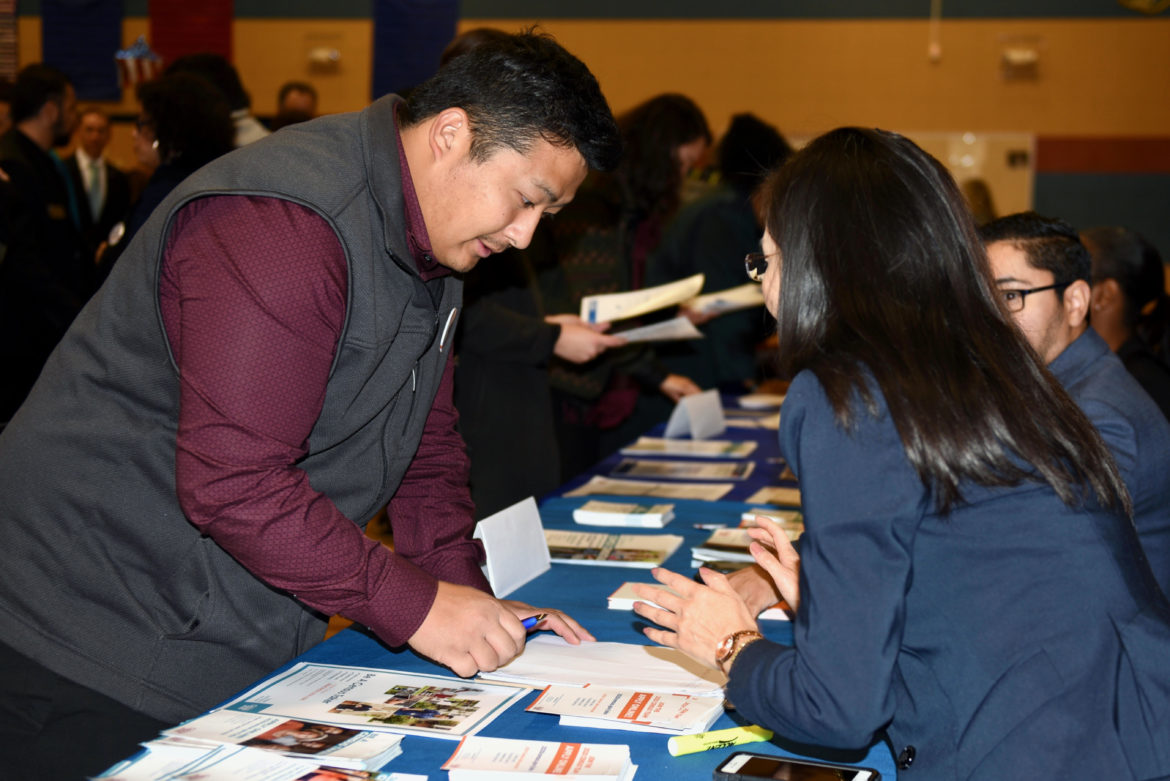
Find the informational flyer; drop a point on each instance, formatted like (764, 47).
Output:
(506, 759)
(618, 306)
(733, 299)
(610, 550)
(379, 700)
(685, 470)
(605, 707)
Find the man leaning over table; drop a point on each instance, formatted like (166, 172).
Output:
(1042, 271)
(265, 369)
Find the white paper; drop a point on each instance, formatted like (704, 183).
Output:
(548, 659)
(673, 330)
(504, 759)
(760, 400)
(711, 492)
(696, 448)
(514, 548)
(732, 299)
(700, 415)
(685, 470)
(619, 306)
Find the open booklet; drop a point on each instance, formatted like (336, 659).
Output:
(605, 707)
(610, 550)
(505, 759)
(378, 700)
(548, 659)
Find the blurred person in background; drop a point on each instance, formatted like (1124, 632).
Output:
(295, 102)
(1129, 306)
(600, 244)
(104, 189)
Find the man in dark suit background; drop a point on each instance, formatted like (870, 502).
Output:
(103, 190)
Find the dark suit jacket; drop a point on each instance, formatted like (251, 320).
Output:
(114, 209)
(1015, 638)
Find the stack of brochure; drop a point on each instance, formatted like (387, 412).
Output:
(645, 516)
(641, 711)
(504, 759)
(685, 470)
(324, 743)
(732, 544)
(791, 520)
(610, 550)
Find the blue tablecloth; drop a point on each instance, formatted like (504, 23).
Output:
(581, 591)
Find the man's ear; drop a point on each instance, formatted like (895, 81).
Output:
(449, 133)
(50, 112)
(1076, 301)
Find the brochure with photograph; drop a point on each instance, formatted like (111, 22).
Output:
(643, 516)
(379, 700)
(327, 743)
(641, 711)
(778, 495)
(710, 492)
(685, 470)
(691, 448)
(165, 762)
(610, 550)
(506, 759)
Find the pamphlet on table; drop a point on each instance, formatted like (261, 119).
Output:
(324, 743)
(379, 700)
(506, 759)
(643, 516)
(644, 551)
(685, 470)
(605, 707)
(697, 448)
(711, 492)
(166, 762)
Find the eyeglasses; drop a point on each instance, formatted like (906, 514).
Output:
(755, 263)
(1014, 299)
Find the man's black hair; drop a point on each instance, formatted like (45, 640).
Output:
(1051, 244)
(520, 89)
(35, 86)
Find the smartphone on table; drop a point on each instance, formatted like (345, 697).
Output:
(749, 766)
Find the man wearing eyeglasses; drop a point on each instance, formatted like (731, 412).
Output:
(1042, 271)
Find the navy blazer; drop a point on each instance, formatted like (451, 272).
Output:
(1136, 432)
(1013, 638)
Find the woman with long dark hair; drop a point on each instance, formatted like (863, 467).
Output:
(969, 585)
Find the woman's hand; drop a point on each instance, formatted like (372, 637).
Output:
(698, 618)
(773, 551)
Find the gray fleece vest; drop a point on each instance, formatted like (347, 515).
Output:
(102, 578)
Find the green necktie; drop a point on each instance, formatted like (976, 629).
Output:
(95, 189)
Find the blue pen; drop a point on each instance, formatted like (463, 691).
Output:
(532, 621)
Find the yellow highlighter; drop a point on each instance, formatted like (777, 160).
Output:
(720, 738)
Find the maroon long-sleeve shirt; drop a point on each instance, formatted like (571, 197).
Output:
(253, 295)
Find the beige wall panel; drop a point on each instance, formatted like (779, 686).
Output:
(1108, 76)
